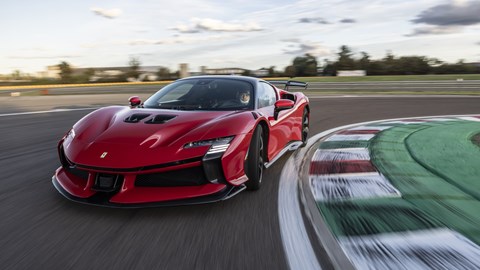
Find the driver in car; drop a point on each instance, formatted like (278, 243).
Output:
(244, 96)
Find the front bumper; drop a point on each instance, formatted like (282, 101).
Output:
(149, 197)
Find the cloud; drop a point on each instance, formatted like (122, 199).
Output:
(42, 57)
(478, 43)
(107, 13)
(434, 30)
(348, 20)
(212, 25)
(313, 48)
(447, 18)
(459, 13)
(137, 42)
(292, 40)
(176, 40)
(313, 20)
(90, 45)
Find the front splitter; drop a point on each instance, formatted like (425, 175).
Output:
(103, 199)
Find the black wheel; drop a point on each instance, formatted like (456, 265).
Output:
(305, 126)
(255, 160)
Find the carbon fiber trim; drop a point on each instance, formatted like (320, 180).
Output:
(102, 199)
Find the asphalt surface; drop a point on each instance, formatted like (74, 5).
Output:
(39, 229)
(402, 86)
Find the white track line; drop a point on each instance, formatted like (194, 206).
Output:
(296, 243)
(49, 111)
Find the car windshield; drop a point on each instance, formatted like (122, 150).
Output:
(203, 94)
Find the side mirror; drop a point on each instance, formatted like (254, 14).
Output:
(134, 101)
(282, 104)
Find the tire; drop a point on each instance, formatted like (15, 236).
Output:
(255, 160)
(305, 126)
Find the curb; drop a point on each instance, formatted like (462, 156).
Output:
(330, 244)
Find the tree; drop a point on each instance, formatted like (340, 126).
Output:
(328, 68)
(364, 61)
(345, 60)
(390, 64)
(163, 73)
(413, 65)
(271, 71)
(16, 74)
(305, 66)
(134, 65)
(290, 71)
(65, 72)
(246, 72)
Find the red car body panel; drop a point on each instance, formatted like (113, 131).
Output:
(105, 145)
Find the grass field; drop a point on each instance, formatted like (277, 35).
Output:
(449, 77)
(33, 90)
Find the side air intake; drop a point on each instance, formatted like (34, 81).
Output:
(136, 117)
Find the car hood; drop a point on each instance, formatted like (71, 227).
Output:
(131, 138)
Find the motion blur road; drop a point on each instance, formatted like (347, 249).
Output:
(39, 229)
(350, 87)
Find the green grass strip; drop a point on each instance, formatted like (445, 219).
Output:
(374, 216)
(434, 165)
(450, 154)
(428, 164)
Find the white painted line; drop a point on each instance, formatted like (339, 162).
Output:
(406, 122)
(362, 174)
(442, 119)
(341, 154)
(50, 111)
(353, 137)
(342, 187)
(470, 118)
(370, 128)
(296, 244)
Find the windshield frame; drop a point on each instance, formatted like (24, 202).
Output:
(204, 94)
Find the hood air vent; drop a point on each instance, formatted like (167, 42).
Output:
(136, 117)
(160, 119)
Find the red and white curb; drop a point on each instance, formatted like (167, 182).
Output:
(425, 249)
(348, 173)
(296, 243)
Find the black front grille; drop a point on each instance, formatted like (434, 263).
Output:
(193, 176)
(77, 172)
(106, 182)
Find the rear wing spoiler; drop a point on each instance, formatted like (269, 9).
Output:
(290, 83)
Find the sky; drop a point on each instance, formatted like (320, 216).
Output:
(216, 33)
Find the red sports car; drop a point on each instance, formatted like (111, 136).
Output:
(198, 139)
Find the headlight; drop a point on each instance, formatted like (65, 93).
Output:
(68, 138)
(218, 143)
(70, 134)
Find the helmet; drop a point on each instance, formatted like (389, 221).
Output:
(244, 96)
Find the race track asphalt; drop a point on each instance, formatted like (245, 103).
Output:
(39, 229)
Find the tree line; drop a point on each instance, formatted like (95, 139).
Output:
(301, 66)
(389, 65)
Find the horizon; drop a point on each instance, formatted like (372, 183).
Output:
(235, 34)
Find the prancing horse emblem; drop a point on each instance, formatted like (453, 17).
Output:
(104, 155)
